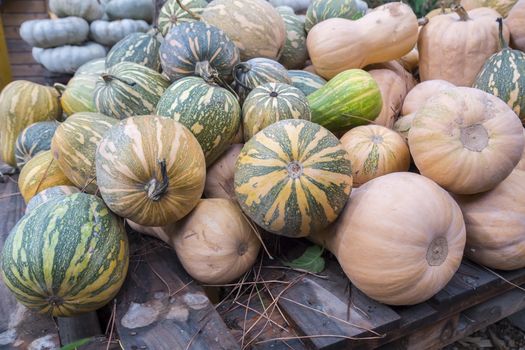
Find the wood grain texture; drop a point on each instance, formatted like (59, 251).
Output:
(24, 6)
(79, 327)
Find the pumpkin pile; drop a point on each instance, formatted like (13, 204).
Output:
(239, 118)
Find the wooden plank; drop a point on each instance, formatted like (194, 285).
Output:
(27, 70)
(12, 32)
(17, 45)
(158, 305)
(71, 329)
(21, 58)
(16, 19)
(24, 6)
(5, 69)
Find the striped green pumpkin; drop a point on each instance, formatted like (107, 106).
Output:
(209, 111)
(503, 76)
(293, 178)
(294, 54)
(349, 99)
(78, 95)
(320, 10)
(305, 81)
(67, 257)
(141, 48)
(32, 140)
(23, 103)
(75, 144)
(96, 66)
(48, 194)
(257, 71)
(129, 89)
(270, 103)
(171, 14)
(198, 49)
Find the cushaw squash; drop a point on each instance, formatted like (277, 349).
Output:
(397, 257)
(516, 24)
(150, 170)
(48, 194)
(338, 44)
(219, 177)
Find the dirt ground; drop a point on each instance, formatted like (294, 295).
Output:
(501, 336)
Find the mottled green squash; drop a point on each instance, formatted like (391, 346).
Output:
(48, 194)
(78, 95)
(320, 10)
(294, 54)
(171, 14)
(305, 81)
(141, 48)
(34, 139)
(96, 66)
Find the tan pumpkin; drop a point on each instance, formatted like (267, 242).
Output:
(410, 61)
(454, 47)
(375, 151)
(466, 140)
(403, 124)
(400, 238)
(438, 12)
(338, 44)
(397, 68)
(502, 6)
(393, 91)
(215, 243)
(516, 24)
(164, 233)
(219, 176)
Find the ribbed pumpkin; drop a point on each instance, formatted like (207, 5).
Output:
(305, 81)
(375, 151)
(516, 24)
(294, 54)
(254, 25)
(23, 103)
(150, 170)
(48, 194)
(503, 76)
(67, 257)
(129, 89)
(96, 66)
(257, 71)
(78, 95)
(40, 173)
(320, 10)
(471, 153)
(349, 99)
(209, 111)
(270, 103)
(75, 144)
(171, 14)
(141, 48)
(293, 178)
(198, 49)
(36, 138)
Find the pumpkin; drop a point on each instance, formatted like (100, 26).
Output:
(375, 151)
(163, 233)
(215, 243)
(284, 10)
(171, 14)
(129, 89)
(320, 10)
(454, 47)
(393, 91)
(110, 33)
(95, 66)
(305, 81)
(471, 153)
(90, 10)
(23, 103)
(219, 176)
(67, 59)
(503, 76)
(48, 194)
(296, 6)
(75, 144)
(78, 252)
(150, 170)
(351, 98)
(139, 48)
(51, 33)
(34, 139)
(132, 9)
(408, 252)
(198, 49)
(516, 24)
(293, 178)
(397, 68)
(339, 44)
(410, 61)
(294, 53)
(257, 71)
(40, 173)
(403, 124)
(209, 111)
(502, 6)
(270, 103)
(78, 95)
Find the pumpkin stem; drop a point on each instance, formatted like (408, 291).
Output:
(206, 72)
(422, 21)
(61, 88)
(502, 41)
(155, 188)
(190, 12)
(242, 67)
(462, 13)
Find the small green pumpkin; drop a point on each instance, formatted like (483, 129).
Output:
(141, 48)
(305, 81)
(171, 14)
(48, 194)
(34, 139)
(294, 54)
(320, 10)
(78, 95)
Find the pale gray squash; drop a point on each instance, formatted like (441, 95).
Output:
(90, 10)
(109, 33)
(47, 33)
(67, 59)
(132, 9)
(297, 5)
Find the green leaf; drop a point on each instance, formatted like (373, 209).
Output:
(76, 344)
(312, 260)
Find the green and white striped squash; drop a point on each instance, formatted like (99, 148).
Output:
(503, 76)
(349, 99)
(67, 257)
(293, 178)
(171, 14)
(23, 103)
(48, 194)
(305, 81)
(78, 95)
(269, 103)
(209, 111)
(257, 71)
(198, 49)
(294, 54)
(141, 48)
(75, 144)
(34, 139)
(129, 89)
(320, 10)
(96, 66)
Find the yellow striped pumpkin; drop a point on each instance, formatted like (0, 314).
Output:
(23, 103)
(78, 95)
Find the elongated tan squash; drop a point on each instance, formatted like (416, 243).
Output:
(393, 92)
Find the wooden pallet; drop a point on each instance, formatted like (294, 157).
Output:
(160, 307)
